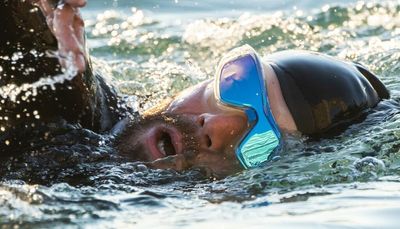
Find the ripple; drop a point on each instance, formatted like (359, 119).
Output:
(79, 179)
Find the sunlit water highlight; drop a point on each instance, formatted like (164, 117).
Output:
(154, 49)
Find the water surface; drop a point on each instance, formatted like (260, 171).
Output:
(153, 49)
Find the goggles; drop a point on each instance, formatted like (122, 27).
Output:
(240, 84)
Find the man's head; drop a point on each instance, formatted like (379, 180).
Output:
(193, 126)
(198, 128)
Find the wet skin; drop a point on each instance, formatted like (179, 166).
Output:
(191, 131)
(66, 23)
(215, 129)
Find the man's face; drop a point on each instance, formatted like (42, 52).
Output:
(193, 130)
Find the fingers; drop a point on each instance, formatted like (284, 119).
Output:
(79, 32)
(68, 29)
(67, 25)
(76, 3)
(33, 1)
(45, 7)
(79, 29)
(47, 11)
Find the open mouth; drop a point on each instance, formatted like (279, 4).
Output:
(164, 141)
(165, 145)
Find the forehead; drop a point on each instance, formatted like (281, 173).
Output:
(193, 99)
(199, 99)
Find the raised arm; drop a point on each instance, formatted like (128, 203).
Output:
(33, 87)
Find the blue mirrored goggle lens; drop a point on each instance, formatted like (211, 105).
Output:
(258, 144)
(241, 84)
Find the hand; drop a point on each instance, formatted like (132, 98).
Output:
(66, 23)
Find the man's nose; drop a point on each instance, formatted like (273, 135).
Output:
(220, 131)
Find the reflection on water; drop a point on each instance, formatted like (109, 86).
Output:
(351, 180)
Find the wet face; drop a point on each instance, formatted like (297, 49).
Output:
(194, 130)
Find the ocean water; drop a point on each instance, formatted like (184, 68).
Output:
(153, 49)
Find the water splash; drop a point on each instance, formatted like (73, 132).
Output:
(12, 91)
(311, 179)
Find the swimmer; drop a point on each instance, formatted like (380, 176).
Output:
(236, 120)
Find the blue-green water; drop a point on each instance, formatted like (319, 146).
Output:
(151, 50)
